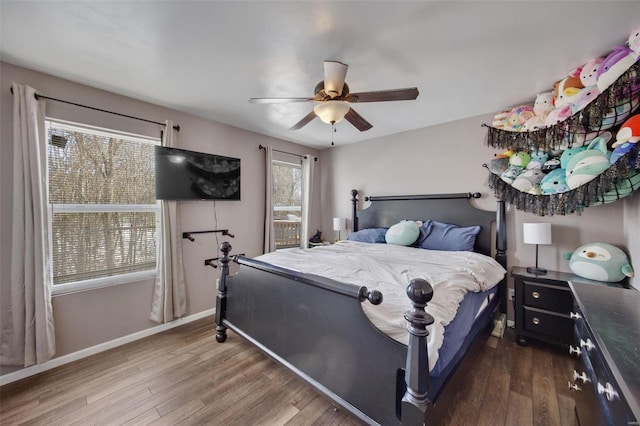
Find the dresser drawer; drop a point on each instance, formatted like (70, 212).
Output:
(547, 297)
(556, 326)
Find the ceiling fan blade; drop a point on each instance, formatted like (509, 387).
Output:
(279, 100)
(334, 75)
(408, 94)
(305, 120)
(357, 120)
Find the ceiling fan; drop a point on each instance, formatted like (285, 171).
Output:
(333, 98)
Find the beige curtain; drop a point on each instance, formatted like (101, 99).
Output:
(269, 233)
(308, 166)
(169, 296)
(28, 336)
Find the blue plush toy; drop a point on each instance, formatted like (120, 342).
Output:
(621, 150)
(568, 155)
(554, 182)
(538, 158)
(584, 166)
(600, 262)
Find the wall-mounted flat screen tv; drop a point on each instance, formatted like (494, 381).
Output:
(190, 175)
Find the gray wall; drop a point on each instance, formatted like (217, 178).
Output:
(448, 158)
(91, 317)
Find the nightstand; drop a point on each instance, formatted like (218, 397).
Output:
(543, 304)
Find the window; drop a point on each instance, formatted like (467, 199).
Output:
(287, 204)
(102, 200)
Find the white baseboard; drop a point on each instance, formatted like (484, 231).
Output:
(83, 353)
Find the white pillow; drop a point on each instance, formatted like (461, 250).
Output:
(404, 233)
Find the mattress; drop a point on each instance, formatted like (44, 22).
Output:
(389, 268)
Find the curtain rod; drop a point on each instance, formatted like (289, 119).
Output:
(37, 96)
(285, 152)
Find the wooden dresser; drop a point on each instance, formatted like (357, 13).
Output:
(606, 378)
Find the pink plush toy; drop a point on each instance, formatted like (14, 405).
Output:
(614, 65)
(518, 116)
(590, 71)
(584, 97)
(558, 115)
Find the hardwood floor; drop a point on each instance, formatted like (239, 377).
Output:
(183, 377)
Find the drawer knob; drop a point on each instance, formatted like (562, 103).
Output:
(535, 320)
(574, 387)
(582, 376)
(574, 350)
(587, 344)
(575, 315)
(535, 295)
(608, 391)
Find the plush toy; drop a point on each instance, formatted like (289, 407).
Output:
(551, 165)
(614, 65)
(629, 132)
(588, 75)
(533, 124)
(619, 113)
(520, 159)
(500, 120)
(555, 182)
(558, 115)
(584, 166)
(624, 187)
(566, 89)
(511, 174)
(528, 180)
(498, 165)
(584, 98)
(568, 155)
(543, 104)
(538, 158)
(634, 41)
(518, 116)
(506, 154)
(600, 262)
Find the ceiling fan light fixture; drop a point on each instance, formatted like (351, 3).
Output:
(332, 112)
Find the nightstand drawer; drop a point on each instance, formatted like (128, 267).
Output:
(550, 298)
(557, 326)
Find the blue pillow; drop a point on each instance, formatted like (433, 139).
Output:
(404, 233)
(370, 235)
(448, 237)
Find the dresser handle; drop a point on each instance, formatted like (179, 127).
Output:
(608, 390)
(574, 387)
(575, 315)
(535, 295)
(587, 344)
(574, 350)
(535, 320)
(582, 376)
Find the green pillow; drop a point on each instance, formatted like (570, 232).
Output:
(404, 233)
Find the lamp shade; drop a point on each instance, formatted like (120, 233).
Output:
(536, 233)
(331, 111)
(339, 223)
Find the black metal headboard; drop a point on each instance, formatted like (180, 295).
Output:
(451, 208)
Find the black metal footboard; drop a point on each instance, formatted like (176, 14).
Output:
(316, 327)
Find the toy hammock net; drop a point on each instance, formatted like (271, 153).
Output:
(607, 112)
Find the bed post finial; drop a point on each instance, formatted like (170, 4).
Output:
(221, 298)
(354, 211)
(415, 400)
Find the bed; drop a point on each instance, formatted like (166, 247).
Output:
(323, 328)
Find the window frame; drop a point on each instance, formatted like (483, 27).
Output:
(113, 280)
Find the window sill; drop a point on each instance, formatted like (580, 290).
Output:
(67, 288)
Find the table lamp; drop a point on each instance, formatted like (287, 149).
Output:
(339, 223)
(536, 233)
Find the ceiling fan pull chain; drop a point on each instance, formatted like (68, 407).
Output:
(333, 130)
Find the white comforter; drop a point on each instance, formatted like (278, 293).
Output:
(389, 268)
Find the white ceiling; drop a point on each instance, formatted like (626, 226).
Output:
(209, 57)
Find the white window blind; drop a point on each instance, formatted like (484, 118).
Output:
(102, 198)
